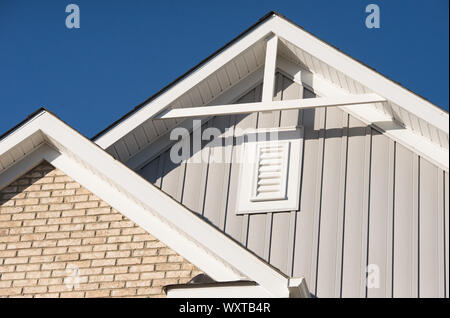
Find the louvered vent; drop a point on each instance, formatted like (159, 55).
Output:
(269, 178)
(269, 182)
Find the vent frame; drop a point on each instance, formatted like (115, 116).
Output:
(287, 196)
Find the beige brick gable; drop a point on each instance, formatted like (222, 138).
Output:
(57, 239)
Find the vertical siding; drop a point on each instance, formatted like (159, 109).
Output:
(283, 223)
(431, 242)
(307, 229)
(258, 225)
(173, 177)
(356, 211)
(217, 178)
(331, 211)
(151, 171)
(381, 214)
(237, 225)
(405, 270)
(364, 200)
(195, 179)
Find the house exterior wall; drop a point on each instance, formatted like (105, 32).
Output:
(368, 206)
(59, 240)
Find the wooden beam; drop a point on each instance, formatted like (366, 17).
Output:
(269, 69)
(155, 147)
(270, 106)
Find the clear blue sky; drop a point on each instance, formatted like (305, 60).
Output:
(125, 51)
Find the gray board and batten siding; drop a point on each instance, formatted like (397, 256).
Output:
(364, 199)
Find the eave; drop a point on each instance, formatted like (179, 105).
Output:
(216, 254)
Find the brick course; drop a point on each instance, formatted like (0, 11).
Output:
(59, 240)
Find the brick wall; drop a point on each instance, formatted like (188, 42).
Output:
(59, 240)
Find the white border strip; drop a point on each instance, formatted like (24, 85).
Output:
(182, 230)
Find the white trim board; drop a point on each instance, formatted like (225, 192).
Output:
(162, 143)
(269, 69)
(232, 109)
(200, 243)
(366, 76)
(369, 115)
(162, 101)
(12, 173)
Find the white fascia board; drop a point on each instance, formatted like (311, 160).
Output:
(323, 51)
(373, 117)
(31, 160)
(20, 134)
(162, 101)
(243, 108)
(364, 75)
(159, 228)
(210, 264)
(219, 292)
(185, 232)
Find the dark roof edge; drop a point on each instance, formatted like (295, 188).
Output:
(265, 17)
(237, 283)
(28, 118)
(35, 114)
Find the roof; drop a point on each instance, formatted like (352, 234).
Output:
(178, 79)
(204, 61)
(403, 116)
(43, 136)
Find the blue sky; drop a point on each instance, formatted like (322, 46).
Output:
(125, 51)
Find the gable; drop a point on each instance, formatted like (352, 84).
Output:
(354, 187)
(57, 239)
(217, 255)
(364, 199)
(400, 114)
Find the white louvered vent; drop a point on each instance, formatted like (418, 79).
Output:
(269, 182)
(269, 179)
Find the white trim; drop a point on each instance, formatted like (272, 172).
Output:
(292, 138)
(148, 221)
(162, 143)
(307, 42)
(362, 74)
(20, 134)
(244, 108)
(269, 69)
(203, 245)
(162, 101)
(10, 174)
(157, 227)
(372, 117)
